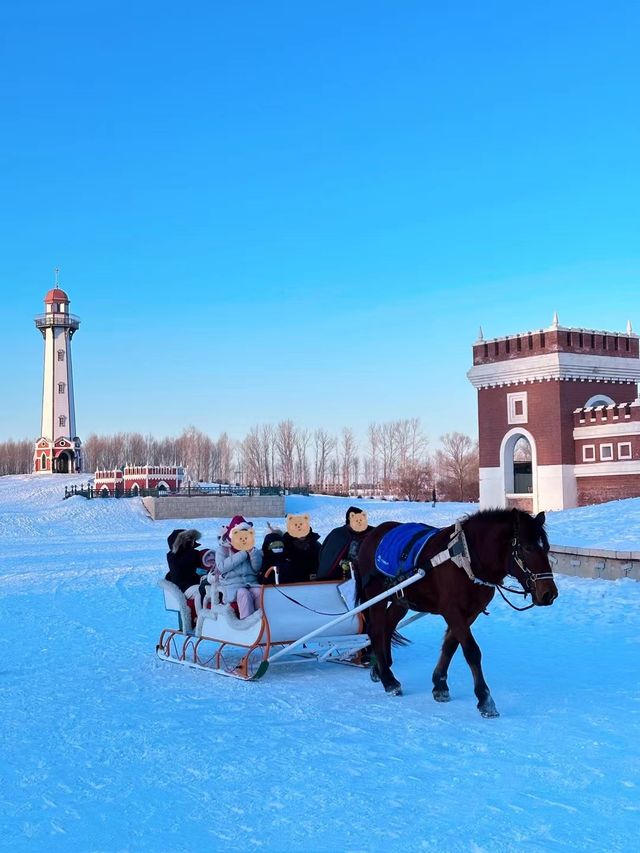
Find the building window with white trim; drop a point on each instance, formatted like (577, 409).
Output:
(61, 387)
(624, 450)
(589, 453)
(606, 452)
(517, 408)
(60, 355)
(62, 420)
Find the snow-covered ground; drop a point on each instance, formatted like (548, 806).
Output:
(105, 748)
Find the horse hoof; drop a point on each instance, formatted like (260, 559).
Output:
(373, 674)
(488, 709)
(394, 690)
(441, 695)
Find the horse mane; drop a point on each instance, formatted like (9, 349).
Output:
(505, 516)
(490, 515)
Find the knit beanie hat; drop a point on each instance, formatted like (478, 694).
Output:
(238, 522)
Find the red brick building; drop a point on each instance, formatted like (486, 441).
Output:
(133, 478)
(558, 417)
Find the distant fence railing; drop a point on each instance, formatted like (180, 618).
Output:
(89, 491)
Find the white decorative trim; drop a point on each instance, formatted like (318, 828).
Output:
(591, 402)
(506, 471)
(607, 430)
(512, 400)
(604, 458)
(556, 365)
(592, 456)
(607, 469)
(622, 444)
(557, 487)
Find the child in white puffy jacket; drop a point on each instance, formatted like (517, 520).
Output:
(238, 563)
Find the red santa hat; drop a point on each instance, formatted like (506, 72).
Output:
(238, 522)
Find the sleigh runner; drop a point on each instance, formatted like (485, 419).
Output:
(295, 623)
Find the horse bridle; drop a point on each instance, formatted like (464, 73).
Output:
(517, 557)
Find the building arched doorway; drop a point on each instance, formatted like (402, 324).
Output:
(64, 462)
(518, 466)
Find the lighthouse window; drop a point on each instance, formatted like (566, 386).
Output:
(60, 355)
(60, 387)
(62, 420)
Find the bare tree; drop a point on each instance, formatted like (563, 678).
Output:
(347, 451)
(324, 445)
(224, 453)
(267, 451)
(415, 481)
(373, 435)
(302, 439)
(457, 462)
(389, 452)
(16, 457)
(251, 455)
(285, 441)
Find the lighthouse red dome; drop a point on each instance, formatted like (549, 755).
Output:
(56, 295)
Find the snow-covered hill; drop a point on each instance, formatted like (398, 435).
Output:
(104, 748)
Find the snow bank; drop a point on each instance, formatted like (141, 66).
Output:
(107, 749)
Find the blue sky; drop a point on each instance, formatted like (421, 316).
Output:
(306, 210)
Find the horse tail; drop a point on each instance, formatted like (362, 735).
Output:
(398, 640)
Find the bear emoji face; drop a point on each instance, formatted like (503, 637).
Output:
(358, 521)
(243, 540)
(298, 525)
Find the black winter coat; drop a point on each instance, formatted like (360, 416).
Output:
(183, 567)
(342, 543)
(273, 555)
(302, 557)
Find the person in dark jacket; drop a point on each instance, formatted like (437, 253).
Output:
(340, 547)
(301, 550)
(184, 561)
(273, 556)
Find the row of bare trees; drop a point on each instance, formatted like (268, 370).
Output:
(206, 458)
(16, 457)
(395, 459)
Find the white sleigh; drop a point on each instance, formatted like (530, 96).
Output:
(222, 643)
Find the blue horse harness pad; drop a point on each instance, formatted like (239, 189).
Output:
(399, 549)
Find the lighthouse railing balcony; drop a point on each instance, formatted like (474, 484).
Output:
(47, 321)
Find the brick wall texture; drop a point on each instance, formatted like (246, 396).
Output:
(597, 490)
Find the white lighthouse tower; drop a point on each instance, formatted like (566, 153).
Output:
(58, 450)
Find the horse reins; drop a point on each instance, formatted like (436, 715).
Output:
(530, 578)
(463, 558)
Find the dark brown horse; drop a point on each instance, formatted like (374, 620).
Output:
(496, 543)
